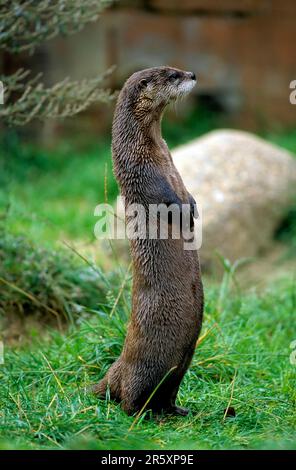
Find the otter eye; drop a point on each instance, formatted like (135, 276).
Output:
(143, 83)
(174, 75)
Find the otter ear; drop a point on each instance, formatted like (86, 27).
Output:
(143, 83)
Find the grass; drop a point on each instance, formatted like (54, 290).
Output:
(242, 361)
(62, 188)
(51, 285)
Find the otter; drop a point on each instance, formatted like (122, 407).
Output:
(167, 292)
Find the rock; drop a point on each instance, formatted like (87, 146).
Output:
(243, 185)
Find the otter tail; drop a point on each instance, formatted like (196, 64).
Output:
(100, 389)
(111, 381)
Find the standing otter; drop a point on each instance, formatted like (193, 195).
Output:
(167, 297)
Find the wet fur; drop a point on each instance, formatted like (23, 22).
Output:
(167, 297)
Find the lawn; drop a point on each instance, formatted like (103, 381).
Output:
(51, 193)
(242, 360)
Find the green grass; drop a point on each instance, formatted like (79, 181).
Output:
(47, 196)
(52, 286)
(52, 194)
(242, 361)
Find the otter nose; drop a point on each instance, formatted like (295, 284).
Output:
(192, 75)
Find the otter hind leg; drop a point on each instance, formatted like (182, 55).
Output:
(137, 388)
(137, 391)
(162, 403)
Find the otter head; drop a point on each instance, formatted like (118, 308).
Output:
(149, 91)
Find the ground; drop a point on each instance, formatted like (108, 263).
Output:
(242, 362)
(241, 385)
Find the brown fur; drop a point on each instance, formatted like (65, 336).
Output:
(167, 297)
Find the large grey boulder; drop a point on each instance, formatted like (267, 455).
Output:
(243, 184)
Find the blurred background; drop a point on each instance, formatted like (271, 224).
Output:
(242, 53)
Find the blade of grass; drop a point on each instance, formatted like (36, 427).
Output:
(149, 398)
(231, 395)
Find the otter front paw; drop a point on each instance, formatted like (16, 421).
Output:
(193, 210)
(193, 207)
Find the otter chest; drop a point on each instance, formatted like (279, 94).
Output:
(175, 180)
